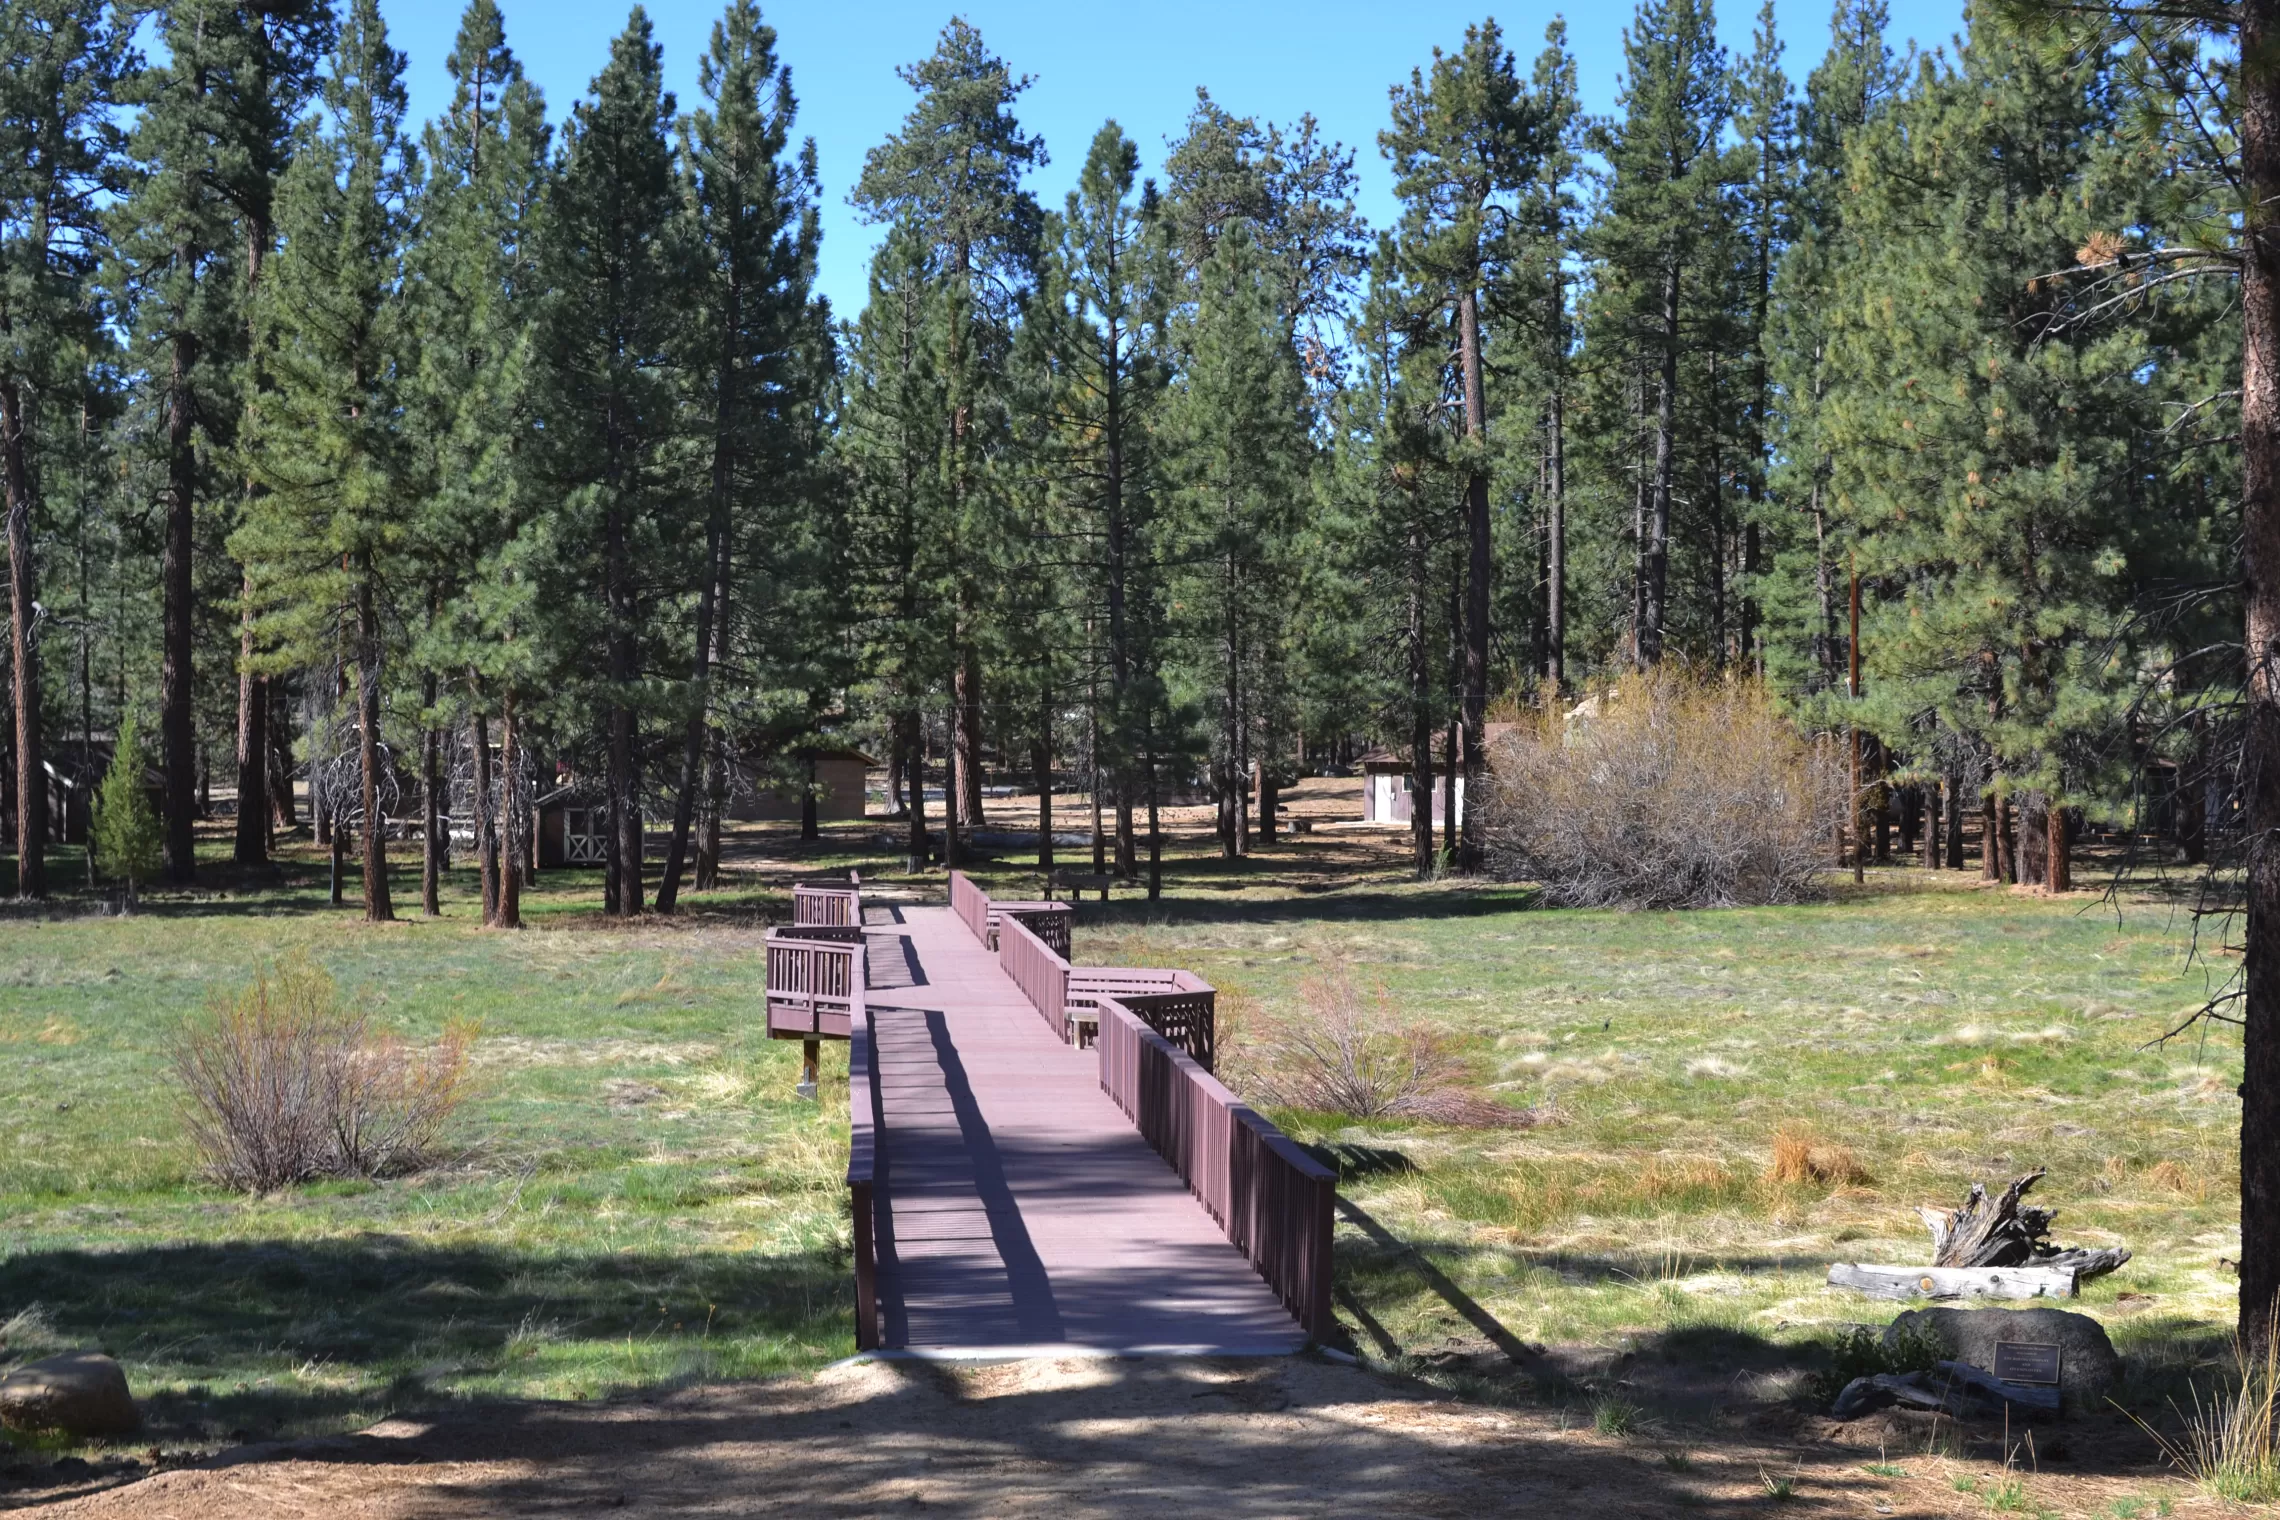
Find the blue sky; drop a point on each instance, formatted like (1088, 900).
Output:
(1139, 64)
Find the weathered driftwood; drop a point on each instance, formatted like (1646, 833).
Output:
(1954, 1282)
(2003, 1232)
(1952, 1389)
(1980, 1381)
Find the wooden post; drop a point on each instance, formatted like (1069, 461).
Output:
(810, 1051)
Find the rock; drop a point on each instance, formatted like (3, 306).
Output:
(80, 1393)
(2088, 1369)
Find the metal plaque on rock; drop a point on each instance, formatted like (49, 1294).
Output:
(2032, 1363)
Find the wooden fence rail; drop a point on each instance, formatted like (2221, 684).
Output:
(1042, 975)
(863, 1120)
(828, 904)
(1277, 1204)
(971, 904)
(1179, 1005)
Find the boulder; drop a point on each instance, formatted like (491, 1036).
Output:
(2088, 1369)
(80, 1393)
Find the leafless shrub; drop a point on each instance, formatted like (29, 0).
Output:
(1350, 1053)
(285, 1084)
(1665, 791)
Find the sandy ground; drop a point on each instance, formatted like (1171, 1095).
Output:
(1067, 1438)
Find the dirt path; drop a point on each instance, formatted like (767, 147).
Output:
(1067, 1438)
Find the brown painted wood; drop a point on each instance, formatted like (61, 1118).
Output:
(1015, 1205)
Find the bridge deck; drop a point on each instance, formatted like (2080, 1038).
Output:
(1015, 1205)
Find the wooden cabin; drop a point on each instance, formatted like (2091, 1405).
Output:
(842, 784)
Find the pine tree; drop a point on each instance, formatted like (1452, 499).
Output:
(1103, 320)
(61, 63)
(209, 144)
(474, 286)
(893, 429)
(2206, 87)
(124, 834)
(1462, 146)
(322, 542)
(1238, 429)
(951, 177)
(754, 353)
(619, 280)
(1854, 82)
(1766, 192)
(1665, 209)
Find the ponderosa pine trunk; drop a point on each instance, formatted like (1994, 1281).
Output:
(1952, 824)
(969, 682)
(432, 826)
(1555, 575)
(2259, 102)
(716, 532)
(624, 759)
(1990, 836)
(178, 749)
(1654, 559)
(953, 787)
(914, 745)
(1463, 821)
(1420, 710)
(250, 844)
(486, 832)
(279, 729)
(510, 816)
(1041, 764)
(23, 662)
(378, 908)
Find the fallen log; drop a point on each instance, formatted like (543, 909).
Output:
(1953, 1388)
(1953, 1282)
(2004, 1232)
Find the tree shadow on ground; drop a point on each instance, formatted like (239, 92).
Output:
(380, 1321)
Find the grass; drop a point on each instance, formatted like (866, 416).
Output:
(1615, 1417)
(1740, 1097)
(643, 1202)
(640, 1199)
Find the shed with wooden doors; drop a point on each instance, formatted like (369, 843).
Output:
(573, 830)
(840, 776)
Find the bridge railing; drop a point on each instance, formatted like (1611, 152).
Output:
(1040, 973)
(1179, 1005)
(1049, 921)
(1277, 1204)
(815, 981)
(863, 1121)
(971, 904)
(828, 904)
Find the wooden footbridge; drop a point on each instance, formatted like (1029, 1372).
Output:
(1040, 1157)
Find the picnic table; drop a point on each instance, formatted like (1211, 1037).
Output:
(1074, 882)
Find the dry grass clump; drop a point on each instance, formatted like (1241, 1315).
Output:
(1800, 1158)
(1352, 1054)
(285, 1084)
(2230, 1446)
(1668, 790)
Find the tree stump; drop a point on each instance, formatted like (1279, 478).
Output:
(2003, 1232)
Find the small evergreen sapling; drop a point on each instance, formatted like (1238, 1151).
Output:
(125, 832)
